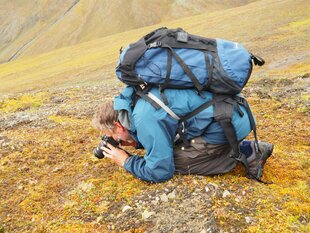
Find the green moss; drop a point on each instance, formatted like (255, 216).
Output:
(24, 102)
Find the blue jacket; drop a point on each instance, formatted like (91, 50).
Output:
(155, 129)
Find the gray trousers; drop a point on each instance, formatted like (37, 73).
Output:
(202, 158)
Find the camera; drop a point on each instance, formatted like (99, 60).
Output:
(104, 142)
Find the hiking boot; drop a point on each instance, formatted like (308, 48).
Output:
(256, 166)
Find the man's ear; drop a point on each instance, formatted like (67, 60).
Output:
(119, 126)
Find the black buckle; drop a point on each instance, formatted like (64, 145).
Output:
(239, 100)
(257, 60)
(237, 157)
(182, 36)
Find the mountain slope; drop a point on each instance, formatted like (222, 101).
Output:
(35, 27)
(277, 31)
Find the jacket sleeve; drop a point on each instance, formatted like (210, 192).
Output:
(155, 131)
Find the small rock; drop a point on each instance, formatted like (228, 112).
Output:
(203, 231)
(138, 206)
(4, 163)
(56, 169)
(33, 181)
(154, 202)
(214, 185)
(99, 219)
(4, 138)
(171, 195)
(164, 197)
(126, 208)
(146, 214)
(226, 193)
(248, 220)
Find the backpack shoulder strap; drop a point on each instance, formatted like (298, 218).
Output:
(163, 106)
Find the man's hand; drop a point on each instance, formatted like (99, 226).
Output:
(117, 155)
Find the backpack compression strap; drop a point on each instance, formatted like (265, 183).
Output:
(186, 69)
(223, 111)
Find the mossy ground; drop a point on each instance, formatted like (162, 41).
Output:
(51, 182)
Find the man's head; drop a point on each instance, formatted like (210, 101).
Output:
(106, 121)
(105, 117)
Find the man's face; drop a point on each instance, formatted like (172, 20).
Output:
(119, 133)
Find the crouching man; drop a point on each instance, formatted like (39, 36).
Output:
(155, 130)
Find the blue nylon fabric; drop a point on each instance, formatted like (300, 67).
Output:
(152, 67)
(235, 60)
(155, 130)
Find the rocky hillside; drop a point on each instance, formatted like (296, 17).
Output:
(34, 27)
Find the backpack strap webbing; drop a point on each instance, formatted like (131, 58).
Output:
(162, 105)
(143, 93)
(186, 69)
(244, 102)
(223, 112)
(163, 86)
(182, 120)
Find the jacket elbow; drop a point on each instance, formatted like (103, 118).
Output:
(162, 176)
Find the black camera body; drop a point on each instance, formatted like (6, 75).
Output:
(104, 142)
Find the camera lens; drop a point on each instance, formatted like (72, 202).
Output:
(98, 152)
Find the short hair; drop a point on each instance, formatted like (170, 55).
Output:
(105, 117)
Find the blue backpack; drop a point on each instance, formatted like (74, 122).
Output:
(172, 58)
